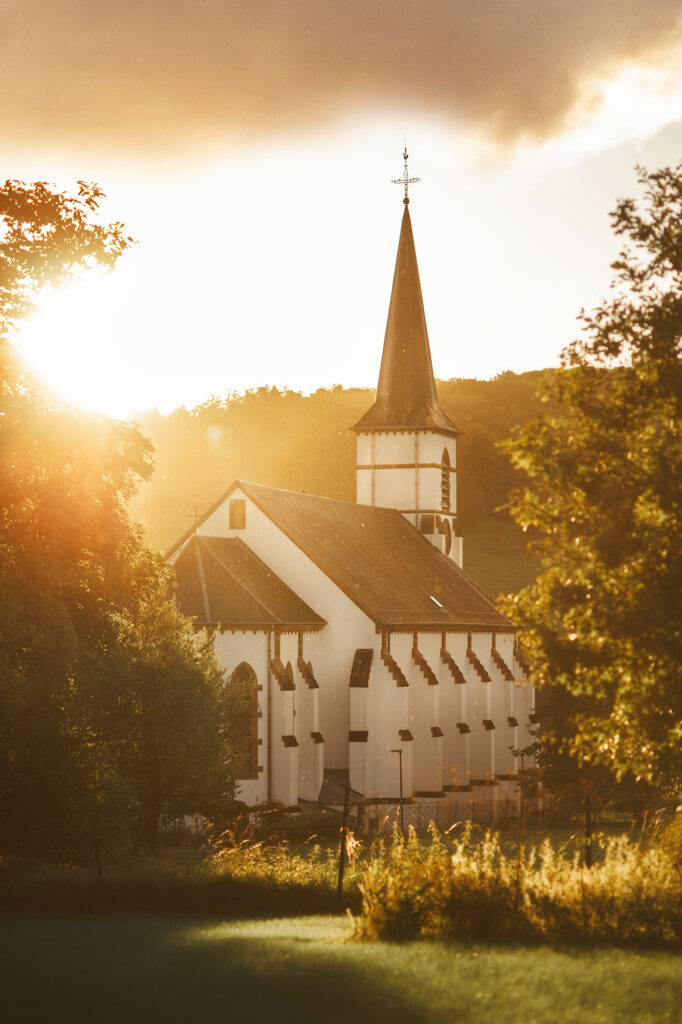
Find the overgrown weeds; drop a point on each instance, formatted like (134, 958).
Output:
(471, 886)
(471, 889)
(229, 876)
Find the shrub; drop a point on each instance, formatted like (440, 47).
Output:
(472, 890)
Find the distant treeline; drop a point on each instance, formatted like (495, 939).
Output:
(303, 442)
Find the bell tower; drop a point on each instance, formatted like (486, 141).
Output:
(406, 445)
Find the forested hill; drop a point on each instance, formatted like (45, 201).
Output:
(299, 442)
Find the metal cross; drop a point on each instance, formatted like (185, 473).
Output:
(406, 180)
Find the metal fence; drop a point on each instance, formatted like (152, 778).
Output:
(444, 814)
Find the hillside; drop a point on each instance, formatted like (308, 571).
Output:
(286, 439)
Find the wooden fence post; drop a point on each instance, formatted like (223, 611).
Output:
(342, 847)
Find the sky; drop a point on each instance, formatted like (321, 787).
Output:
(249, 147)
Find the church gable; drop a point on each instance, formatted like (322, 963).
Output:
(238, 515)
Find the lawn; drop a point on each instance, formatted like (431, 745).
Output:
(132, 969)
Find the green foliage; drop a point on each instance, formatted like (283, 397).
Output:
(669, 839)
(69, 559)
(604, 505)
(47, 236)
(109, 704)
(576, 787)
(164, 712)
(474, 890)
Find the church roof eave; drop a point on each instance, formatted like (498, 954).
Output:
(375, 421)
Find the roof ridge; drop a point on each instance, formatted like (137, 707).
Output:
(320, 497)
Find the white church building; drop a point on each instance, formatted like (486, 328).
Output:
(350, 627)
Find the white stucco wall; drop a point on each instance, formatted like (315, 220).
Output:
(430, 763)
(347, 626)
(388, 712)
(402, 470)
(296, 771)
(424, 702)
(396, 484)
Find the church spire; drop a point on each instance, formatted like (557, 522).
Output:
(406, 394)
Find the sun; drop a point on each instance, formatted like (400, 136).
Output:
(72, 342)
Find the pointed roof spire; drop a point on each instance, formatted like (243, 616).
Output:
(406, 394)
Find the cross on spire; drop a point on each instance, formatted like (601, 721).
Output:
(406, 180)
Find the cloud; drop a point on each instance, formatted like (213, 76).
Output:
(147, 74)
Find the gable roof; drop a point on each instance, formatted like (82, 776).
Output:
(406, 396)
(220, 581)
(389, 570)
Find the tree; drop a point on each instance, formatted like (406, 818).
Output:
(49, 236)
(603, 619)
(69, 558)
(167, 716)
(85, 673)
(68, 553)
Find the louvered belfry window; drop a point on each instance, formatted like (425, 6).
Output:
(445, 482)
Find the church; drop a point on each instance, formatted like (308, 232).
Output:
(365, 656)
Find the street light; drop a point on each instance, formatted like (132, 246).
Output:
(400, 762)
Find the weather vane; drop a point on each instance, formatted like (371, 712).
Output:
(406, 180)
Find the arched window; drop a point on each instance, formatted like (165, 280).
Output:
(445, 481)
(243, 714)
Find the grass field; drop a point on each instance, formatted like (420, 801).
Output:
(101, 969)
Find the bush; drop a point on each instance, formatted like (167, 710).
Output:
(473, 890)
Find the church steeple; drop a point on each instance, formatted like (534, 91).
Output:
(406, 443)
(406, 394)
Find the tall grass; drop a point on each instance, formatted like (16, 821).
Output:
(471, 889)
(475, 886)
(230, 877)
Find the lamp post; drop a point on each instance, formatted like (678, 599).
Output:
(400, 763)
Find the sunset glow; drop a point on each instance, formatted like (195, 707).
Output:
(265, 257)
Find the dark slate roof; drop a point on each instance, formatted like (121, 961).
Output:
(406, 395)
(221, 582)
(380, 561)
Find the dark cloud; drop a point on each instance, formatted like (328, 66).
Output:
(157, 73)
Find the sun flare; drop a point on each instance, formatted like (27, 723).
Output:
(69, 345)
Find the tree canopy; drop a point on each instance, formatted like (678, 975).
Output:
(84, 672)
(603, 619)
(47, 237)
